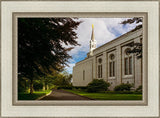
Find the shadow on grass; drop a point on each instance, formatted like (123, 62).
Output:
(34, 96)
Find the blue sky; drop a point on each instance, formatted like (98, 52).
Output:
(105, 30)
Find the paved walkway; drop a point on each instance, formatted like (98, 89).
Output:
(63, 95)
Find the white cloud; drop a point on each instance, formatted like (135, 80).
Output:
(105, 29)
(102, 27)
(70, 68)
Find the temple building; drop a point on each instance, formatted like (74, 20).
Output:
(111, 62)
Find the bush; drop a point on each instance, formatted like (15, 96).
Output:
(21, 89)
(97, 86)
(123, 87)
(139, 89)
(23, 85)
(80, 87)
(37, 86)
(65, 87)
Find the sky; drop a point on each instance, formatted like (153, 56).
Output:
(105, 30)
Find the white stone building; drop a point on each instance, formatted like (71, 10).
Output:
(110, 62)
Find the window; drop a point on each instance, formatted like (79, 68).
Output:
(112, 66)
(83, 75)
(100, 68)
(98, 71)
(100, 61)
(101, 71)
(128, 63)
(126, 66)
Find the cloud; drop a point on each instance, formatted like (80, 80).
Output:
(105, 30)
(70, 68)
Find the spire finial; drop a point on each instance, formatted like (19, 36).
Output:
(92, 36)
(92, 26)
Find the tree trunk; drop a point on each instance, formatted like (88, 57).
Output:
(44, 86)
(31, 86)
(47, 87)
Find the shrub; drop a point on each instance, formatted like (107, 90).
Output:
(53, 87)
(65, 87)
(21, 89)
(139, 89)
(97, 86)
(37, 86)
(80, 87)
(23, 85)
(123, 87)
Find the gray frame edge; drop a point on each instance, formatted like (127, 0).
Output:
(71, 0)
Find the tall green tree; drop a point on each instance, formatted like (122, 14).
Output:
(136, 47)
(41, 45)
(63, 79)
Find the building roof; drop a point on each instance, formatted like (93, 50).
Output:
(132, 31)
(128, 33)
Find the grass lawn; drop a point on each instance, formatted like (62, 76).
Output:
(34, 96)
(108, 96)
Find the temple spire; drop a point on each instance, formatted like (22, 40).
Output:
(92, 42)
(92, 37)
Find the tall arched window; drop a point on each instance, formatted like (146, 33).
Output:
(83, 74)
(128, 60)
(99, 68)
(111, 65)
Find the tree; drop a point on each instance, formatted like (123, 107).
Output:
(40, 45)
(136, 47)
(63, 79)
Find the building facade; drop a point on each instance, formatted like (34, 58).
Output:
(111, 62)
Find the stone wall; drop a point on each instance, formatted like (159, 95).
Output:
(83, 73)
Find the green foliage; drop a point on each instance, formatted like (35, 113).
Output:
(123, 92)
(53, 87)
(23, 84)
(65, 87)
(97, 86)
(35, 95)
(37, 86)
(21, 87)
(123, 87)
(136, 20)
(63, 80)
(80, 87)
(136, 48)
(139, 89)
(40, 46)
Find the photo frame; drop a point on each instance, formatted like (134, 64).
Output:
(11, 10)
(66, 102)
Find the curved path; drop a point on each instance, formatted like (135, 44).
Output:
(63, 95)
